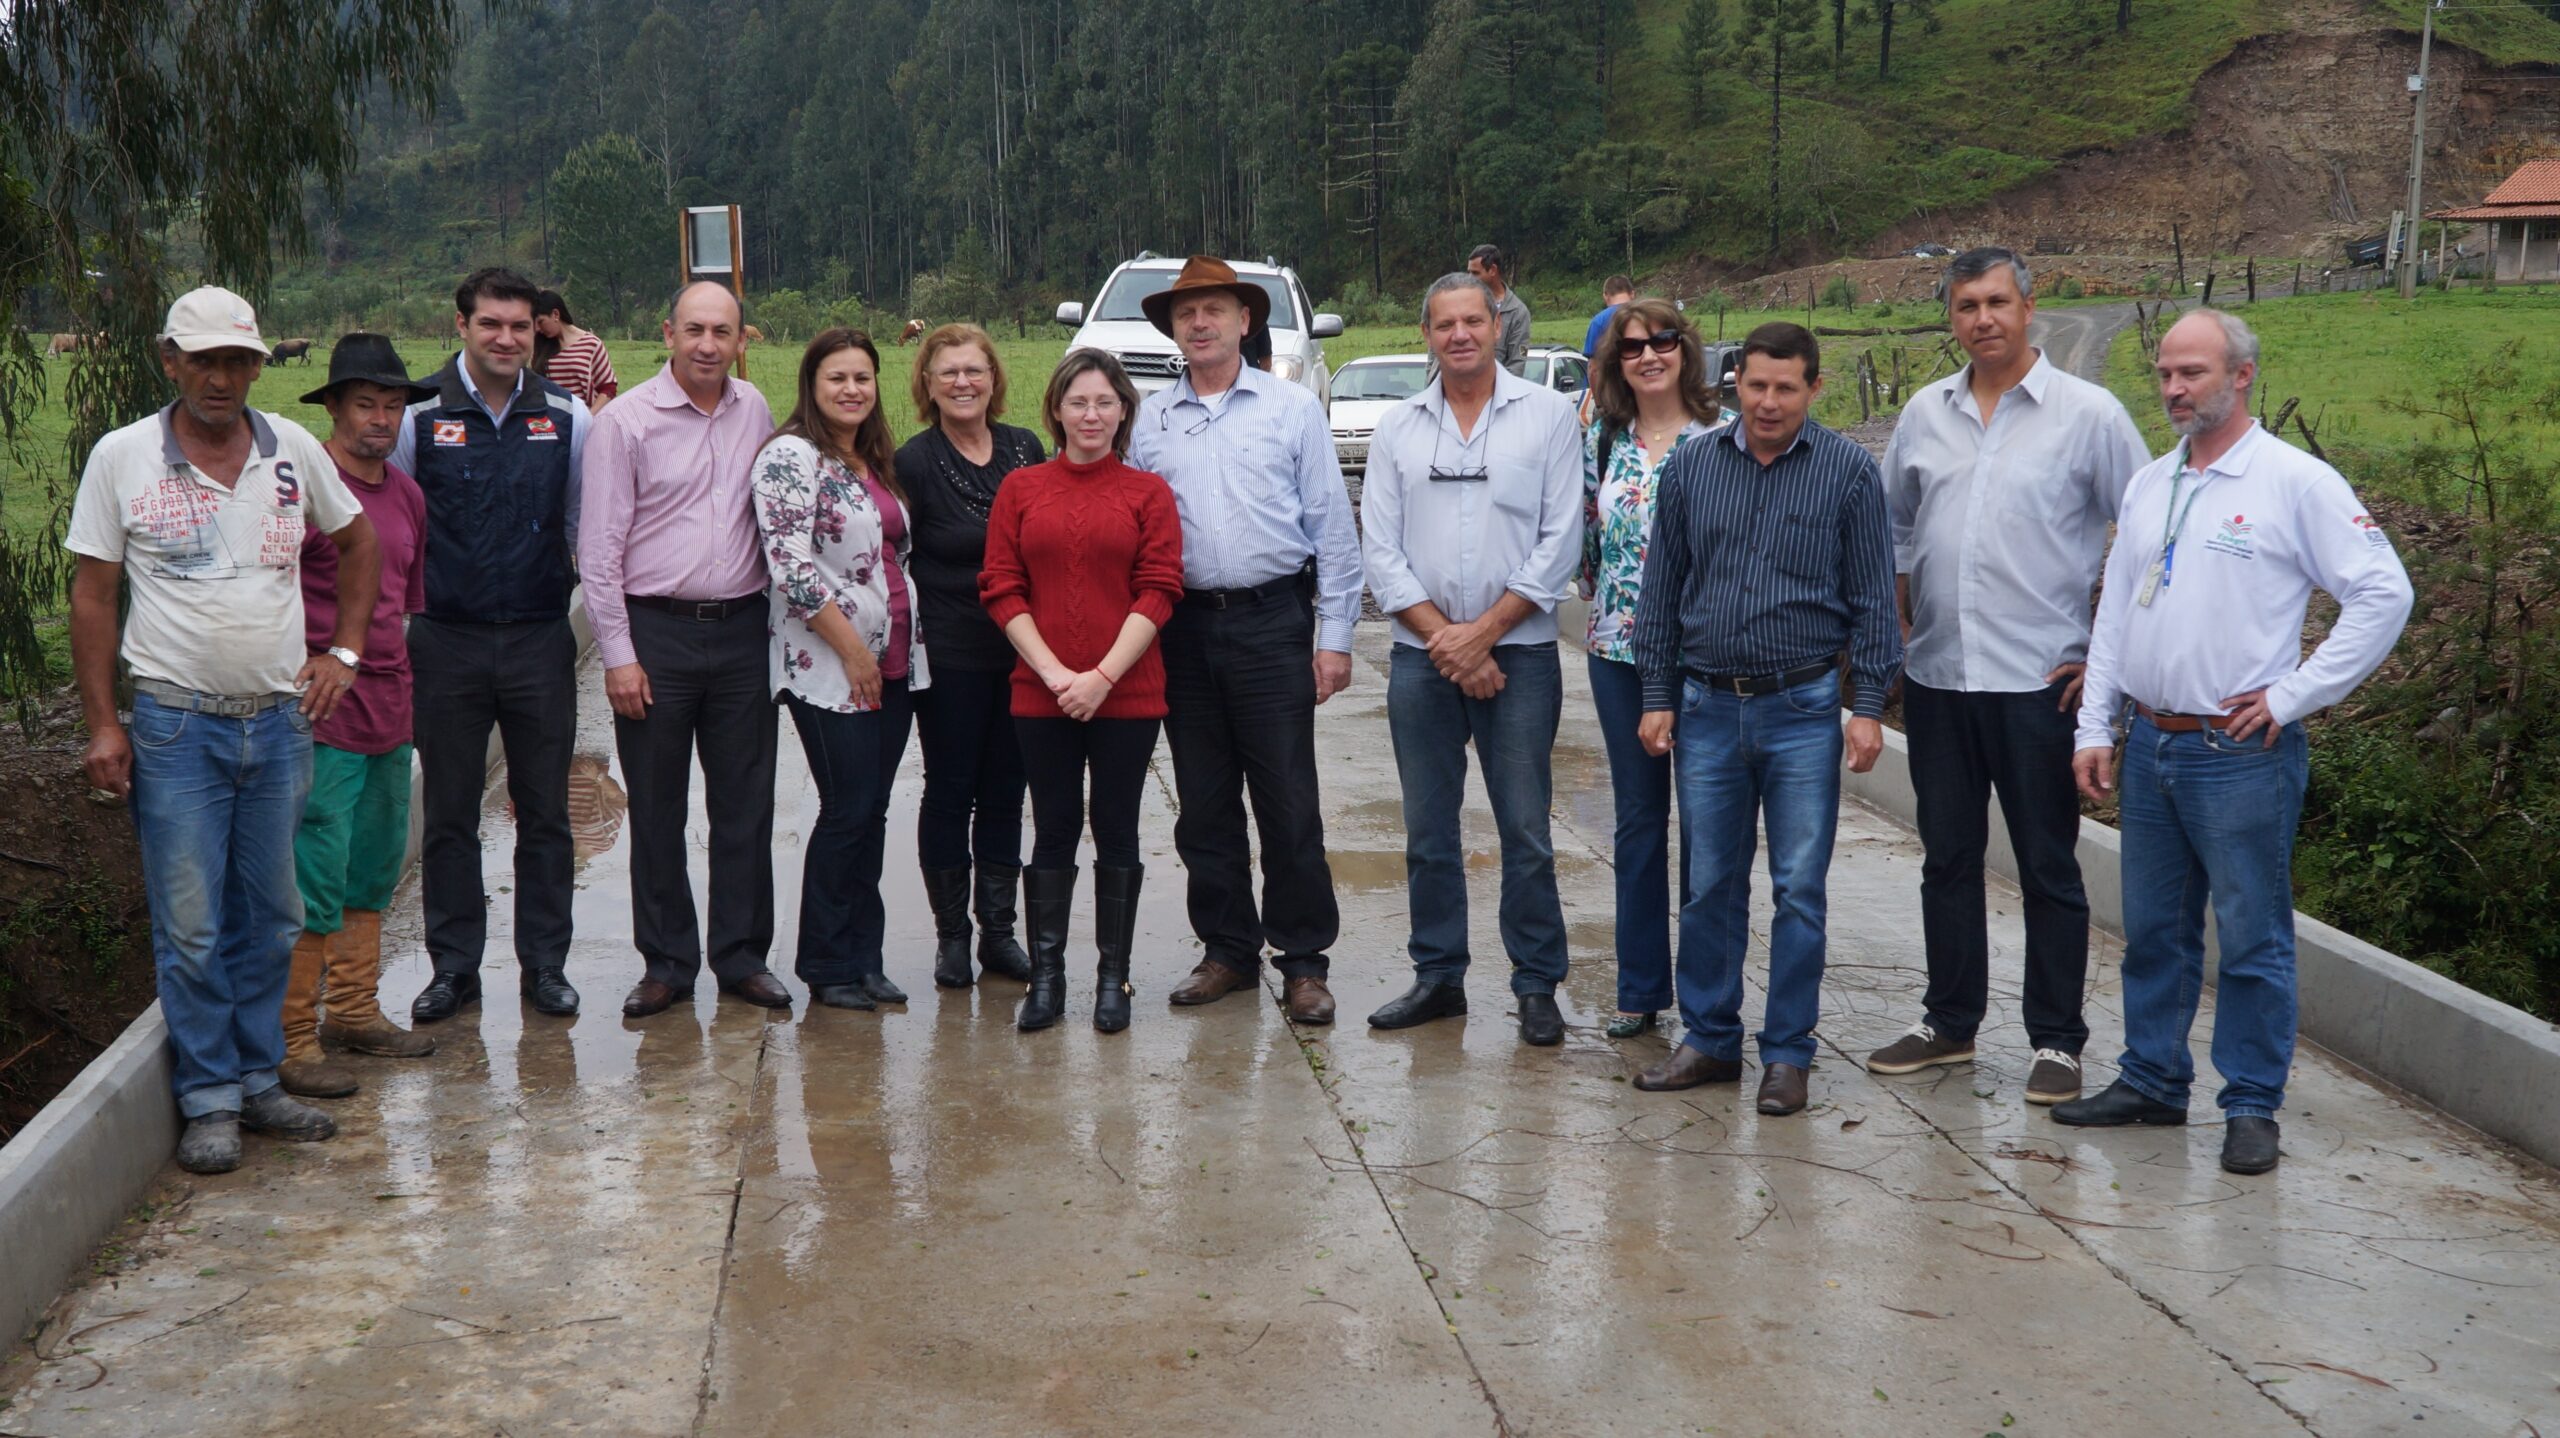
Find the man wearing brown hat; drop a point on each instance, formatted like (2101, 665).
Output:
(1271, 587)
(355, 826)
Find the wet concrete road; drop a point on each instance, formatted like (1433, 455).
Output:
(920, 1221)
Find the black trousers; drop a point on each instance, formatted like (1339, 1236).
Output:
(1240, 696)
(1965, 747)
(710, 696)
(972, 770)
(520, 678)
(854, 758)
(1056, 755)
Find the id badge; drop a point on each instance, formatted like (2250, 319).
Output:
(2150, 583)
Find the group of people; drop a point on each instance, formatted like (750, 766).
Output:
(303, 612)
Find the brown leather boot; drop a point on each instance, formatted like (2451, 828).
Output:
(354, 1021)
(306, 1071)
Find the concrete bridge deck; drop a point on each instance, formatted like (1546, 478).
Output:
(920, 1221)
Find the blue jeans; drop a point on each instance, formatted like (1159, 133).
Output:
(215, 804)
(2205, 816)
(1640, 792)
(1772, 756)
(1514, 732)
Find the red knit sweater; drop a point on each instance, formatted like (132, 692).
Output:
(1080, 548)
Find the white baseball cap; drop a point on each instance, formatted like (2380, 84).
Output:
(213, 318)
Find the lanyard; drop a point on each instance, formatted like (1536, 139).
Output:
(2177, 523)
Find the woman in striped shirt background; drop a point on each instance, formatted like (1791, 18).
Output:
(568, 356)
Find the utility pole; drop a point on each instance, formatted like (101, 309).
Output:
(2417, 151)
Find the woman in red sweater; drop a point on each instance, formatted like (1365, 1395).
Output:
(1084, 564)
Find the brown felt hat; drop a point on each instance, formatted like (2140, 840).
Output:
(1207, 272)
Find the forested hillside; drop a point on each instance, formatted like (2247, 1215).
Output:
(1022, 146)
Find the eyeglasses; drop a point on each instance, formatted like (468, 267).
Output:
(1459, 476)
(1661, 342)
(973, 374)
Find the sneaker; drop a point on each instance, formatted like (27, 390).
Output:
(2055, 1077)
(278, 1115)
(1919, 1049)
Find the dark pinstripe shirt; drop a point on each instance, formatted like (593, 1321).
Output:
(1758, 569)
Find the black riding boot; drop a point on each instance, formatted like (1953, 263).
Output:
(998, 954)
(1052, 894)
(947, 891)
(1115, 921)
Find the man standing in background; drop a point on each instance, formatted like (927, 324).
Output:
(1614, 291)
(1510, 312)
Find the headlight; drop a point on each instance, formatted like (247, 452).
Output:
(1288, 367)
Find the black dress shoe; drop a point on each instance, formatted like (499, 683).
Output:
(444, 996)
(762, 990)
(651, 997)
(2249, 1144)
(881, 990)
(842, 996)
(1688, 1068)
(549, 989)
(1421, 1004)
(1540, 1023)
(2115, 1106)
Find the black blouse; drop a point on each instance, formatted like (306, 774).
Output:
(947, 502)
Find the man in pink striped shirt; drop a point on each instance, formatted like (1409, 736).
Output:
(675, 583)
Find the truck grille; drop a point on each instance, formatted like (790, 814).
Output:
(1153, 366)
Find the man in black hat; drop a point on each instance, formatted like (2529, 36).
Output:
(355, 824)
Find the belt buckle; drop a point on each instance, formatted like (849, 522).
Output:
(706, 611)
(1741, 686)
(1215, 599)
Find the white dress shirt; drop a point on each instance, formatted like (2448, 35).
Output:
(2267, 522)
(2003, 527)
(1461, 543)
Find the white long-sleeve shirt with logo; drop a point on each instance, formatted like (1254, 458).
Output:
(2268, 523)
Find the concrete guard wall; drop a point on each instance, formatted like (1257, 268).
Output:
(70, 1176)
(2488, 1064)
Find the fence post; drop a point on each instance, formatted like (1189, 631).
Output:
(2253, 279)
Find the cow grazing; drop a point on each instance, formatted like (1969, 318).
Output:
(287, 351)
(913, 332)
(754, 336)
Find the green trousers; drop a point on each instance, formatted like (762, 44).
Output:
(355, 832)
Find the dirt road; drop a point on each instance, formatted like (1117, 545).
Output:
(2077, 338)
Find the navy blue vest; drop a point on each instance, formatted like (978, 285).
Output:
(497, 501)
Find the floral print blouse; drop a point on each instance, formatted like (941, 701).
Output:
(1617, 519)
(822, 544)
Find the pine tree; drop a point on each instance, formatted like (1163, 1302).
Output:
(1767, 35)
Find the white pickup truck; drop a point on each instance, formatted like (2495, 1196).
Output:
(1116, 323)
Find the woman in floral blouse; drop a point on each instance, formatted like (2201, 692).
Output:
(846, 657)
(1650, 393)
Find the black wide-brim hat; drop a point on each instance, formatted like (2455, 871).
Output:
(368, 358)
(1206, 272)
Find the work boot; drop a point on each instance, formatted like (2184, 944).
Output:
(1115, 923)
(306, 1070)
(946, 892)
(353, 1019)
(998, 954)
(211, 1143)
(272, 1113)
(1051, 895)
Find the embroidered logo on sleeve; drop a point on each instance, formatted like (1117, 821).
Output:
(2235, 538)
(542, 427)
(2373, 534)
(450, 432)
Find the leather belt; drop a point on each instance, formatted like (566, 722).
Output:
(1258, 594)
(226, 706)
(2180, 723)
(700, 611)
(1747, 685)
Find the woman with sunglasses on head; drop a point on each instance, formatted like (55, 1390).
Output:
(1650, 393)
(846, 655)
(1084, 565)
(951, 472)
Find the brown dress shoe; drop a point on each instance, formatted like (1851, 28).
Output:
(1688, 1068)
(1781, 1090)
(651, 997)
(1310, 1002)
(1210, 981)
(762, 990)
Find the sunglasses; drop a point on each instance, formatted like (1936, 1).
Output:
(1661, 342)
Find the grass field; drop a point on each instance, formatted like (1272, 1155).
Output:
(2347, 356)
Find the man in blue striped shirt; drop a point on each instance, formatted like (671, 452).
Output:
(1771, 557)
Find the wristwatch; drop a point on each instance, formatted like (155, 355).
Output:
(345, 656)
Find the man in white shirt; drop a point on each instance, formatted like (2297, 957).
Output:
(2219, 545)
(1471, 518)
(202, 508)
(2001, 481)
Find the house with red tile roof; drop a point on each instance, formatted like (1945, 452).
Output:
(2523, 216)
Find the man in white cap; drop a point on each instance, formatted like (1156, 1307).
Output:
(203, 507)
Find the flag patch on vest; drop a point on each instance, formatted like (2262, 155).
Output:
(451, 432)
(541, 427)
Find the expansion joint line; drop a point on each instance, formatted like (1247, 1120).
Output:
(703, 1391)
(1311, 1044)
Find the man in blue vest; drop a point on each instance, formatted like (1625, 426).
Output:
(496, 454)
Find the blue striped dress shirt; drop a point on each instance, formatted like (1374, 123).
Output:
(1758, 569)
